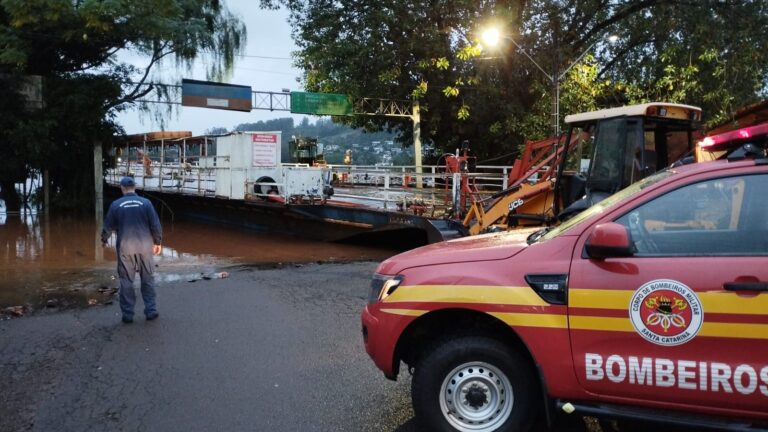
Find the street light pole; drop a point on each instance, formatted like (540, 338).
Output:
(492, 36)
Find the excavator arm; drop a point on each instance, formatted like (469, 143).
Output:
(527, 204)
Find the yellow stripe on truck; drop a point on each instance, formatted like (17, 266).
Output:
(713, 302)
(407, 312)
(713, 329)
(734, 330)
(726, 330)
(532, 320)
(522, 296)
(601, 323)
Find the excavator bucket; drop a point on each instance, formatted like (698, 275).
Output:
(445, 229)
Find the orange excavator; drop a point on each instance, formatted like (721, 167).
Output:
(604, 151)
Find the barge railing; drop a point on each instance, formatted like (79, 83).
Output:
(190, 166)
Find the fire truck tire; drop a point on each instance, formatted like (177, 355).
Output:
(474, 383)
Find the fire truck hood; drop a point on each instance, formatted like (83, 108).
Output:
(487, 247)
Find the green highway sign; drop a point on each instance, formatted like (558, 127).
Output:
(320, 104)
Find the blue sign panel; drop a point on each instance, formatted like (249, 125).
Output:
(208, 94)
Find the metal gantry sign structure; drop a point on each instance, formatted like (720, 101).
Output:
(273, 101)
(206, 94)
(397, 109)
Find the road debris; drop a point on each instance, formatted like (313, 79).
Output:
(209, 276)
(16, 311)
(107, 290)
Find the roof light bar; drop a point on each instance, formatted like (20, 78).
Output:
(735, 137)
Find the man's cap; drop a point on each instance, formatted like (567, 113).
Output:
(127, 182)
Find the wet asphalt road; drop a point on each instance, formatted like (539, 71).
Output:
(262, 350)
(276, 350)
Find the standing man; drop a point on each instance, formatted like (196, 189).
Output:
(139, 235)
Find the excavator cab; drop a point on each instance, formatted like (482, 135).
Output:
(621, 145)
(305, 151)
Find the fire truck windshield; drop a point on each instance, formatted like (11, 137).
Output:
(607, 203)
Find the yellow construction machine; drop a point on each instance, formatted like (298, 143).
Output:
(604, 151)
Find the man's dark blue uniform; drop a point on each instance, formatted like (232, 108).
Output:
(139, 235)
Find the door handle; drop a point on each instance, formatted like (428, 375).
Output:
(746, 286)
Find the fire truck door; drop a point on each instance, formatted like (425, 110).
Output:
(684, 320)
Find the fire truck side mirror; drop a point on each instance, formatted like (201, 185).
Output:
(609, 240)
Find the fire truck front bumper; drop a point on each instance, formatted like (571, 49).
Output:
(380, 335)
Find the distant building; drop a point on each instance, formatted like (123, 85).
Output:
(386, 160)
(428, 150)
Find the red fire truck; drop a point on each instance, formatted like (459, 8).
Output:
(652, 304)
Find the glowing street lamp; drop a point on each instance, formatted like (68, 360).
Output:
(491, 38)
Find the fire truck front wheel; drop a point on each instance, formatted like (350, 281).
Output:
(474, 383)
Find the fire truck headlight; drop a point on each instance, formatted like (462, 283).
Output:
(382, 286)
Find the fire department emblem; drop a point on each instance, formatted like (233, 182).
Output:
(666, 312)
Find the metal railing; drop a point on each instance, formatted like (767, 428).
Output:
(391, 186)
(386, 187)
(186, 178)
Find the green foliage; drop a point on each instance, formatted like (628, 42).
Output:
(76, 48)
(702, 53)
(450, 91)
(442, 63)
(463, 112)
(420, 91)
(43, 36)
(469, 51)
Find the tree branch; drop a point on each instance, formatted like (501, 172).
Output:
(622, 14)
(156, 56)
(136, 93)
(100, 60)
(620, 55)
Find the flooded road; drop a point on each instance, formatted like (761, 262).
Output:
(55, 262)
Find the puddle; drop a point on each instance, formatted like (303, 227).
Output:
(54, 263)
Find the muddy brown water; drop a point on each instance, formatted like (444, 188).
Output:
(53, 263)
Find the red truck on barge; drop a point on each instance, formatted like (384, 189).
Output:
(652, 304)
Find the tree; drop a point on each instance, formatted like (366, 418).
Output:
(695, 52)
(17, 147)
(701, 53)
(78, 47)
(216, 131)
(285, 125)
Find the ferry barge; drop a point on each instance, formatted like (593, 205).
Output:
(238, 180)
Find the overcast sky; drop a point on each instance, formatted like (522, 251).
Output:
(269, 35)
